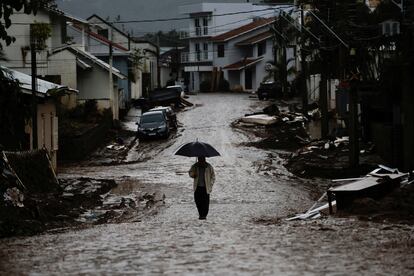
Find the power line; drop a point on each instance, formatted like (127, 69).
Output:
(187, 17)
(178, 18)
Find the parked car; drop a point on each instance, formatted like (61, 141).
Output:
(269, 90)
(153, 124)
(169, 113)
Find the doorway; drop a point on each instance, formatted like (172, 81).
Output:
(248, 79)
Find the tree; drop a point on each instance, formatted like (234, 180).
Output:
(168, 39)
(7, 8)
(284, 35)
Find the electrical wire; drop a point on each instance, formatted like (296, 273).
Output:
(177, 18)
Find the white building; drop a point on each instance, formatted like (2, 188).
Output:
(93, 79)
(18, 53)
(208, 20)
(242, 53)
(146, 74)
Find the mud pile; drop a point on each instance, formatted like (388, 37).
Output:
(287, 132)
(330, 159)
(45, 210)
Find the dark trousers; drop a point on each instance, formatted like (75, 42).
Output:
(202, 200)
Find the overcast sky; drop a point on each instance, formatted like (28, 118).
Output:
(134, 10)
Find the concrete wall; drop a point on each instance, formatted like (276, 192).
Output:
(64, 64)
(136, 86)
(165, 75)
(94, 85)
(15, 53)
(221, 24)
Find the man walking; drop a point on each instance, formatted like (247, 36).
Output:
(204, 177)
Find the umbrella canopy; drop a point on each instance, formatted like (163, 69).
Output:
(197, 149)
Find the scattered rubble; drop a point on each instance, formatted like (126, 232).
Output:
(31, 204)
(330, 159)
(275, 129)
(383, 194)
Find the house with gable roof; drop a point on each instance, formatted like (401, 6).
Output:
(93, 79)
(143, 74)
(59, 69)
(242, 53)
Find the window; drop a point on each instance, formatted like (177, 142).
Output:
(261, 48)
(205, 21)
(197, 26)
(220, 50)
(205, 25)
(205, 50)
(104, 33)
(198, 52)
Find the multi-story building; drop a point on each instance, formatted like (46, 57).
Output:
(208, 20)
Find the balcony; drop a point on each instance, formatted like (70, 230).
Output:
(196, 57)
(204, 31)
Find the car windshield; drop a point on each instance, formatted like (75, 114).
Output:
(151, 118)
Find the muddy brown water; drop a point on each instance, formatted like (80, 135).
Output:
(175, 242)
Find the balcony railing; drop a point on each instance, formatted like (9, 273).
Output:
(196, 32)
(201, 56)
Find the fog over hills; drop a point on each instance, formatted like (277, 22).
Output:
(134, 10)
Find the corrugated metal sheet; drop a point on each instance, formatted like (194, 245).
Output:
(43, 87)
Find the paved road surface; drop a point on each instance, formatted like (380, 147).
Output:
(229, 242)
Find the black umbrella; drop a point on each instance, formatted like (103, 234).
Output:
(197, 149)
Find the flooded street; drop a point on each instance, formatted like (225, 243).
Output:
(242, 234)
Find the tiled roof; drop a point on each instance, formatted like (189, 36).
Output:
(241, 64)
(243, 29)
(255, 39)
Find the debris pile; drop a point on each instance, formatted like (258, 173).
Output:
(276, 129)
(384, 193)
(117, 208)
(33, 200)
(330, 159)
(34, 170)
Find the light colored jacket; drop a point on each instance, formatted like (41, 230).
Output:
(209, 177)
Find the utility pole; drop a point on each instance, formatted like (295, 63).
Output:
(353, 125)
(304, 69)
(111, 82)
(158, 62)
(323, 97)
(325, 75)
(34, 88)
